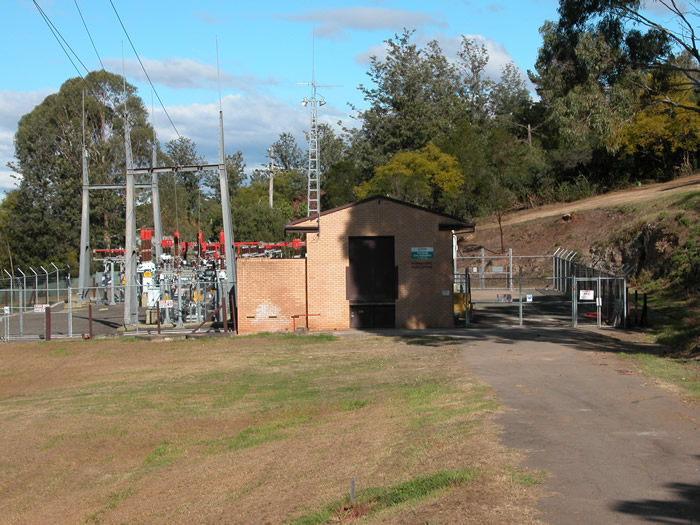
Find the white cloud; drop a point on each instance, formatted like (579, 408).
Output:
(7, 180)
(14, 104)
(185, 73)
(334, 22)
(251, 124)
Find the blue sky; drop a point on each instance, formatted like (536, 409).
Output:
(265, 49)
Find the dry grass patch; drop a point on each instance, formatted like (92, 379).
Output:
(250, 430)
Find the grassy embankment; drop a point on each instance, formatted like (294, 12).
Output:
(252, 429)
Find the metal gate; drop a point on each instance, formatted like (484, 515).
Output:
(561, 289)
(599, 301)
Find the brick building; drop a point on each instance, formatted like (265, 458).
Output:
(375, 263)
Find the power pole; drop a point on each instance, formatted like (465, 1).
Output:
(84, 266)
(271, 152)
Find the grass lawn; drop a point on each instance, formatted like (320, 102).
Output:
(252, 430)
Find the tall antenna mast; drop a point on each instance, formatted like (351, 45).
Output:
(313, 181)
(271, 188)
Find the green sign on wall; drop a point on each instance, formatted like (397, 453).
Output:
(424, 252)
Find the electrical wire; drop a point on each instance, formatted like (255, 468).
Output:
(89, 35)
(144, 69)
(58, 36)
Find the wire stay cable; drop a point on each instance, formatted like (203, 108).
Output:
(144, 68)
(59, 37)
(89, 35)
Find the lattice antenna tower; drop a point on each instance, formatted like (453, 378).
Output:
(313, 175)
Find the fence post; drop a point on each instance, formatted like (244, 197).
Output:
(90, 320)
(158, 314)
(510, 268)
(21, 311)
(599, 304)
(520, 281)
(482, 269)
(70, 312)
(224, 317)
(47, 333)
(574, 313)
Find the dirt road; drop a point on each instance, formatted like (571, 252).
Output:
(616, 198)
(616, 448)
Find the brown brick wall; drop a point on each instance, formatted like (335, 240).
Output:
(421, 303)
(270, 291)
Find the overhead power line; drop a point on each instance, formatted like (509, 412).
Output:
(89, 35)
(144, 69)
(59, 38)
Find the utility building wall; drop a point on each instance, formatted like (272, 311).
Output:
(422, 257)
(270, 291)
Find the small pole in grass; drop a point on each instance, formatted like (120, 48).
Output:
(352, 491)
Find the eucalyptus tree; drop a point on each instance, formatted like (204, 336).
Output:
(45, 222)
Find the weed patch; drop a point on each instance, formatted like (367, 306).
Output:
(164, 454)
(374, 500)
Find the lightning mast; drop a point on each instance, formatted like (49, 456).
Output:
(313, 175)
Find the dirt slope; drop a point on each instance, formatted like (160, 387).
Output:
(637, 194)
(579, 225)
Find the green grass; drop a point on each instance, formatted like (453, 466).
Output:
(525, 477)
(374, 500)
(164, 454)
(684, 374)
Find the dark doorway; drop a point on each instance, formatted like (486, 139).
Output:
(372, 282)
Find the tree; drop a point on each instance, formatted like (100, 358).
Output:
(645, 43)
(413, 99)
(235, 172)
(288, 155)
(45, 222)
(338, 186)
(427, 177)
(661, 132)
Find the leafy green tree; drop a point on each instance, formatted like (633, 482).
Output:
(338, 185)
(288, 154)
(661, 133)
(647, 41)
(413, 98)
(45, 222)
(427, 177)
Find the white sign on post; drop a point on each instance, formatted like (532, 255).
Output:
(38, 308)
(528, 298)
(7, 310)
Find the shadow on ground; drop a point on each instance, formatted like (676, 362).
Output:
(683, 508)
(584, 339)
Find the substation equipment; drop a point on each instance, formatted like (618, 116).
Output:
(138, 271)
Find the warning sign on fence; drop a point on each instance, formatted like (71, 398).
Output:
(40, 308)
(165, 303)
(587, 295)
